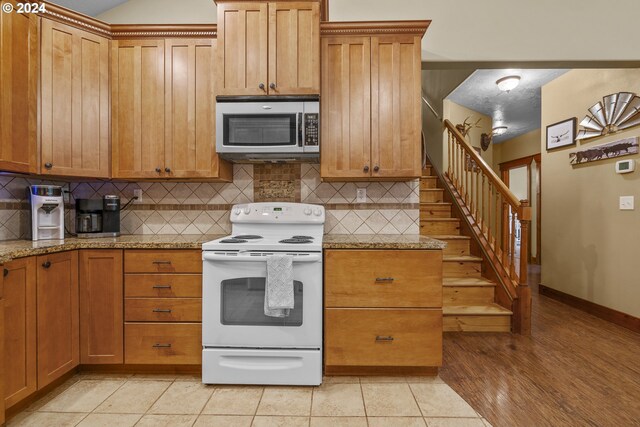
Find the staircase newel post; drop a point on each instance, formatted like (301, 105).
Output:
(522, 312)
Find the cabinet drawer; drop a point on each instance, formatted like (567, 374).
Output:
(162, 261)
(383, 278)
(163, 285)
(161, 343)
(383, 337)
(163, 310)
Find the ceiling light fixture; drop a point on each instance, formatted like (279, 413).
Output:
(499, 130)
(508, 83)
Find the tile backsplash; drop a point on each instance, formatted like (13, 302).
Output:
(202, 207)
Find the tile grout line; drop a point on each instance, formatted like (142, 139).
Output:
(255, 413)
(154, 402)
(214, 387)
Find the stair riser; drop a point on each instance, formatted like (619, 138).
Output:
(435, 212)
(440, 227)
(467, 295)
(457, 247)
(427, 170)
(428, 183)
(431, 196)
(462, 269)
(458, 323)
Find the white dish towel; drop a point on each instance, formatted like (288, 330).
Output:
(278, 290)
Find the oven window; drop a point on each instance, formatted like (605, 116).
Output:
(243, 304)
(259, 129)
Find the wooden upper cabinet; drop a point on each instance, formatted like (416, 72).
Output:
(74, 102)
(346, 107)
(18, 91)
(396, 120)
(242, 48)
(294, 48)
(57, 316)
(189, 108)
(268, 48)
(20, 379)
(137, 104)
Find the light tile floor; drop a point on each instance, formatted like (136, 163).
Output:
(97, 400)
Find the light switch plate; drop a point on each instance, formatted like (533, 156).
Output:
(361, 195)
(137, 193)
(626, 203)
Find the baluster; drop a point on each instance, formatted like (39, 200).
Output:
(513, 245)
(478, 196)
(484, 207)
(497, 230)
(449, 143)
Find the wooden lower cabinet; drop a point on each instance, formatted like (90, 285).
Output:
(57, 316)
(163, 285)
(163, 343)
(20, 378)
(383, 337)
(101, 303)
(383, 311)
(162, 261)
(163, 310)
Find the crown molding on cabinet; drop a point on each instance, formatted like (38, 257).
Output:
(121, 31)
(70, 17)
(356, 28)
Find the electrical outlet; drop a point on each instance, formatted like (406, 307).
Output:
(626, 203)
(137, 193)
(361, 195)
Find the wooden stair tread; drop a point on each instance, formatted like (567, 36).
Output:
(467, 281)
(461, 258)
(438, 219)
(431, 189)
(476, 310)
(435, 203)
(449, 237)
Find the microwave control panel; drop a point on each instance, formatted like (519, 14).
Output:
(311, 130)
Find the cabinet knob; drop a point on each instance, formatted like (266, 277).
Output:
(48, 165)
(167, 170)
(272, 85)
(366, 168)
(46, 264)
(376, 168)
(158, 170)
(261, 86)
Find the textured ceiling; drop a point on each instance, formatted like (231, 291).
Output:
(519, 109)
(89, 7)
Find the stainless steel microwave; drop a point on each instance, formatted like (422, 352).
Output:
(268, 128)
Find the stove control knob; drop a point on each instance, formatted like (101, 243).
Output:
(237, 211)
(247, 210)
(317, 212)
(307, 211)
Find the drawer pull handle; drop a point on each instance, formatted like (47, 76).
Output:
(161, 262)
(162, 310)
(161, 286)
(380, 338)
(384, 279)
(162, 346)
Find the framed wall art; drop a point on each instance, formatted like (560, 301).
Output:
(561, 134)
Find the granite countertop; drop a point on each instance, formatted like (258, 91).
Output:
(381, 241)
(12, 249)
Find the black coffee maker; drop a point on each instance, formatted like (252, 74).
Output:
(98, 217)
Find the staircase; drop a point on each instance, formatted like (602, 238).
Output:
(468, 297)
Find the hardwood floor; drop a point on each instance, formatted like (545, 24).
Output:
(574, 370)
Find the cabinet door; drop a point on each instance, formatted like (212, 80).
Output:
(346, 108)
(137, 102)
(395, 100)
(18, 91)
(57, 315)
(75, 102)
(189, 109)
(242, 48)
(101, 307)
(20, 338)
(294, 48)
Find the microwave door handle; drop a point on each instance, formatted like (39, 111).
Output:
(300, 129)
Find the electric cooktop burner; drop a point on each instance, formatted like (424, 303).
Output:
(248, 237)
(295, 241)
(303, 237)
(233, 240)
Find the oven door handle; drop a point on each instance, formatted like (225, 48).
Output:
(248, 258)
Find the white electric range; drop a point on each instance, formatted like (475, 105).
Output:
(241, 345)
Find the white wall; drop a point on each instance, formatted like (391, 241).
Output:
(462, 30)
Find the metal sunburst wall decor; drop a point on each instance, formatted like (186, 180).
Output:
(616, 112)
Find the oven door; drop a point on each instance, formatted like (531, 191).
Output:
(233, 302)
(259, 127)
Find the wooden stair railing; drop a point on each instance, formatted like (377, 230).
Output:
(492, 211)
